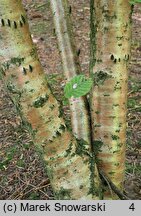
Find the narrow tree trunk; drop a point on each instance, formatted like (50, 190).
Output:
(80, 116)
(71, 67)
(110, 54)
(70, 166)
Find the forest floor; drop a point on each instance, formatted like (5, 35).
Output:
(22, 174)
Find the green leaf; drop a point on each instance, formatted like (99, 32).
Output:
(78, 86)
(134, 1)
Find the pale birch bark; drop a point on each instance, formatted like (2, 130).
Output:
(70, 166)
(110, 54)
(71, 67)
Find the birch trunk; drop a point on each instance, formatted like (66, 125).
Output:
(110, 54)
(70, 166)
(71, 67)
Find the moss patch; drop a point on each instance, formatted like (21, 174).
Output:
(40, 101)
(63, 194)
(81, 147)
(97, 144)
(100, 77)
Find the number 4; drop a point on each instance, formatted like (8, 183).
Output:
(132, 207)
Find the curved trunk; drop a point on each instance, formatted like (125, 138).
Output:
(70, 166)
(110, 54)
(71, 67)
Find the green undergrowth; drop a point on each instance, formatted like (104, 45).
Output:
(7, 157)
(133, 169)
(14, 154)
(133, 117)
(134, 95)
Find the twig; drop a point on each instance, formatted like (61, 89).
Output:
(36, 189)
(113, 186)
(42, 5)
(12, 196)
(108, 184)
(129, 174)
(134, 108)
(39, 187)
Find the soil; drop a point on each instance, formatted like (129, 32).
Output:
(22, 173)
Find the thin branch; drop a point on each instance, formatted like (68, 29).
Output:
(113, 186)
